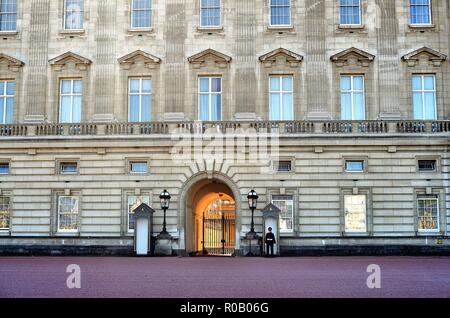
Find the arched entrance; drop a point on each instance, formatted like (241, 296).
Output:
(211, 222)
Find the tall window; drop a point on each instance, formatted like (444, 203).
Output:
(210, 98)
(5, 212)
(350, 12)
(428, 213)
(141, 14)
(286, 204)
(355, 213)
(352, 97)
(281, 98)
(133, 202)
(140, 99)
(68, 213)
(424, 97)
(70, 103)
(280, 12)
(73, 14)
(6, 102)
(8, 15)
(420, 11)
(210, 13)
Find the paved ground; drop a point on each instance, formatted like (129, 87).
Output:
(225, 277)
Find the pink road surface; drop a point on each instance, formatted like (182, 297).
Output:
(225, 277)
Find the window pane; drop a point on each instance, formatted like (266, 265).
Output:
(288, 111)
(275, 107)
(146, 108)
(4, 212)
(66, 86)
(275, 84)
(2, 110)
(9, 111)
(354, 166)
(65, 109)
(358, 83)
(9, 89)
(358, 104)
(77, 87)
(134, 108)
(346, 106)
(355, 213)
(430, 112)
(428, 214)
(139, 167)
(287, 84)
(417, 83)
(216, 107)
(204, 107)
(134, 86)
(216, 85)
(76, 111)
(204, 84)
(428, 82)
(346, 83)
(4, 168)
(146, 86)
(417, 106)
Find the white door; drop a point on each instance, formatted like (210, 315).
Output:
(271, 222)
(142, 236)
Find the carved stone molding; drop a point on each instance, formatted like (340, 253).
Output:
(352, 57)
(281, 56)
(60, 62)
(201, 59)
(13, 64)
(425, 57)
(128, 61)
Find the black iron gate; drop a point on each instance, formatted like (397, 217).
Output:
(219, 232)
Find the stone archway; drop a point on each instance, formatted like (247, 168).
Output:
(192, 194)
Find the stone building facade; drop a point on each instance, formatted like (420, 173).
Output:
(352, 95)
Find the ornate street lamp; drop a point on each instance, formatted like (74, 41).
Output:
(165, 201)
(252, 202)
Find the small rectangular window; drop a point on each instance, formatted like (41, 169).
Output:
(424, 97)
(355, 213)
(352, 97)
(350, 12)
(427, 165)
(283, 166)
(68, 213)
(140, 100)
(141, 14)
(71, 100)
(8, 15)
(133, 202)
(286, 204)
(354, 165)
(5, 212)
(4, 168)
(420, 11)
(210, 13)
(73, 14)
(7, 89)
(210, 98)
(68, 168)
(139, 167)
(428, 213)
(280, 12)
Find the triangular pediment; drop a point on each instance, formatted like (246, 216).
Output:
(139, 57)
(69, 57)
(289, 55)
(11, 61)
(209, 55)
(434, 57)
(352, 56)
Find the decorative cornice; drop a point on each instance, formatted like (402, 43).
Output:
(61, 60)
(199, 59)
(12, 63)
(352, 56)
(435, 58)
(291, 58)
(128, 60)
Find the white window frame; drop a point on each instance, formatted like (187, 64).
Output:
(350, 24)
(71, 95)
(430, 15)
(62, 163)
(210, 26)
(210, 94)
(280, 25)
(58, 198)
(6, 13)
(281, 92)
(293, 210)
(131, 17)
(140, 94)
(432, 198)
(65, 12)
(4, 229)
(138, 161)
(350, 231)
(353, 91)
(423, 91)
(4, 96)
(129, 212)
(355, 160)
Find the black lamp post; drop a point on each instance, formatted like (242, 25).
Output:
(252, 202)
(165, 201)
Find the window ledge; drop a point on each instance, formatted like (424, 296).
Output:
(8, 33)
(67, 234)
(281, 29)
(71, 33)
(210, 30)
(140, 31)
(421, 27)
(342, 28)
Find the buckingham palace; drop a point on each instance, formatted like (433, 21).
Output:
(328, 120)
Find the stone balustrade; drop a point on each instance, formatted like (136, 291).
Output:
(367, 127)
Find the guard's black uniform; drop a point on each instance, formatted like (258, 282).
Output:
(270, 241)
